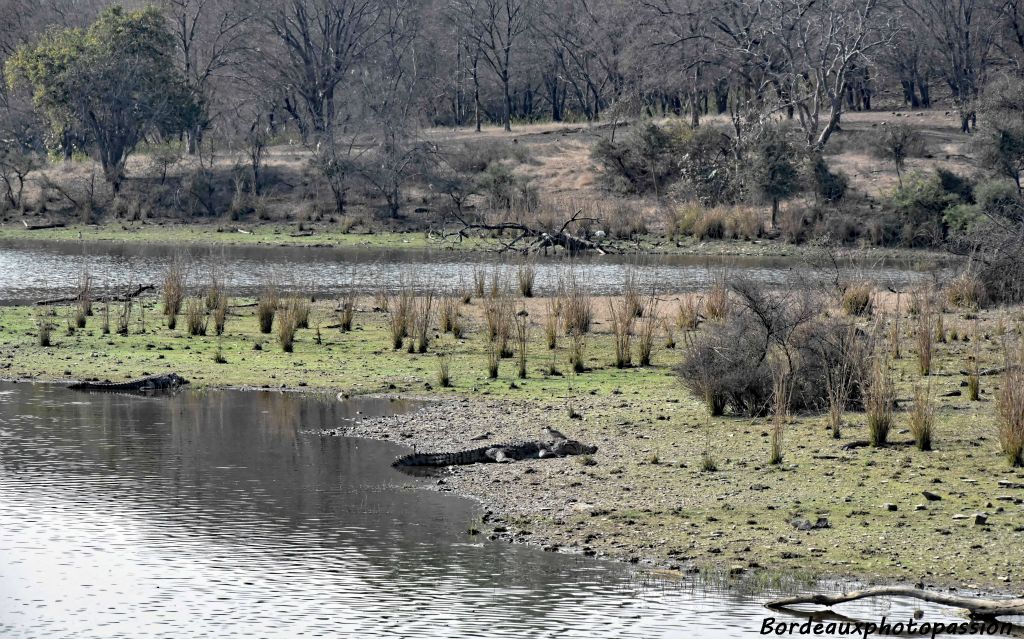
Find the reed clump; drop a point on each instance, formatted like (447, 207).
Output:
(195, 316)
(85, 294)
(266, 307)
(622, 332)
(522, 336)
(577, 351)
(448, 312)
(44, 328)
(1010, 403)
(526, 274)
(422, 313)
(173, 292)
(717, 303)
(300, 308)
(552, 316)
(645, 336)
(444, 378)
(857, 299)
(347, 311)
(688, 313)
(922, 418)
(220, 314)
(781, 390)
(493, 359)
(878, 401)
(924, 343)
(399, 309)
(287, 326)
(577, 307)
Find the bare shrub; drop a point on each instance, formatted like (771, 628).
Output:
(124, 316)
(843, 374)
(781, 390)
(857, 299)
(922, 418)
(195, 316)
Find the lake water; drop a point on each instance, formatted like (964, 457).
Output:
(34, 270)
(216, 515)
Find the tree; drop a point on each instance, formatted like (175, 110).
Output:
(495, 27)
(110, 84)
(897, 143)
(774, 169)
(1002, 145)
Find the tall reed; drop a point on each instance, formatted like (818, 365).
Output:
(85, 293)
(522, 331)
(622, 319)
(577, 348)
(447, 312)
(266, 307)
(631, 293)
(220, 314)
(300, 307)
(195, 316)
(399, 308)
(287, 326)
(422, 314)
(493, 359)
(45, 329)
(922, 418)
(717, 303)
(878, 400)
(526, 274)
(173, 292)
(1010, 403)
(444, 378)
(781, 390)
(924, 342)
(688, 315)
(645, 338)
(347, 310)
(552, 314)
(577, 306)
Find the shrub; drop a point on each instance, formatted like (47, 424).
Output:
(828, 186)
(896, 143)
(857, 299)
(645, 162)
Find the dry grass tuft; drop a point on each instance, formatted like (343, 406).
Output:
(173, 292)
(922, 418)
(45, 330)
(195, 316)
(622, 318)
(220, 314)
(967, 291)
(422, 314)
(1010, 401)
(645, 338)
(577, 307)
(444, 378)
(879, 397)
(266, 308)
(527, 275)
(858, 299)
(287, 325)
(688, 315)
(717, 303)
(924, 343)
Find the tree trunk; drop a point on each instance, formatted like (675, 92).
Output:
(508, 102)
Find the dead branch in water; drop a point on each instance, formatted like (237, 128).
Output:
(40, 227)
(106, 298)
(978, 608)
(533, 239)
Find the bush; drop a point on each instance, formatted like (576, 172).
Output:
(828, 186)
(645, 162)
(967, 291)
(857, 299)
(727, 365)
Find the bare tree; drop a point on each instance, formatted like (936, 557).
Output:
(495, 27)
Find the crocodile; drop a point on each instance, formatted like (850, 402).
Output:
(166, 381)
(499, 453)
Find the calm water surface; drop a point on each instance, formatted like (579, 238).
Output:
(214, 515)
(33, 270)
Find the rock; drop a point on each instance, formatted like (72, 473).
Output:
(801, 524)
(890, 507)
(980, 519)
(930, 496)
(920, 507)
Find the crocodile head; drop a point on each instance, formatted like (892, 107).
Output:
(572, 447)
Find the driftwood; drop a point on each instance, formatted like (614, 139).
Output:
(532, 239)
(40, 227)
(991, 371)
(103, 298)
(978, 608)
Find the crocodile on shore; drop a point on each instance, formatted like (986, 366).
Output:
(166, 381)
(498, 453)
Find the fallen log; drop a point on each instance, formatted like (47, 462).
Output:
(978, 608)
(103, 298)
(40, 227)
(999, 370)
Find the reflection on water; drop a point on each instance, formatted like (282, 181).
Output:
(30, 270)
(211, 514)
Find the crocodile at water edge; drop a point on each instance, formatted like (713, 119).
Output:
(166, 381)
(499, 453)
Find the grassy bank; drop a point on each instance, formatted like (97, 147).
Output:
(646, 493)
